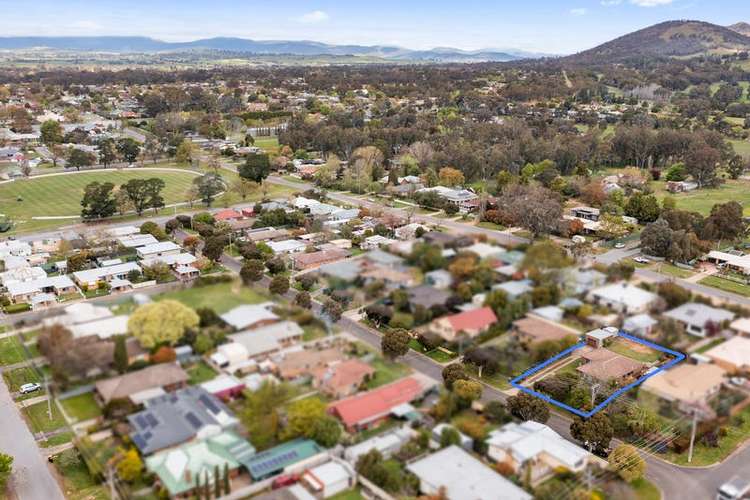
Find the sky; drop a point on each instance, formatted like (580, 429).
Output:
(549, 26)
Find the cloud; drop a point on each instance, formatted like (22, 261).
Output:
(84, 24)
(314, 17)
(578, 12)
(650, 3)
(609, 3)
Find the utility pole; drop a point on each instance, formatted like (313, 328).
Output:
(692, 435)
(594, 388)
(49, 396)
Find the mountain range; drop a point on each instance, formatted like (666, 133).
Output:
(138, 44)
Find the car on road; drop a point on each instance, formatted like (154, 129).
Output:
(642, 260)
(619, 246)
(734, 489)
(29, 388)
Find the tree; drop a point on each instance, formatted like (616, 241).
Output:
(701, 163)
(736, 166)
(184, 152)
(326, 431)
(495, 412)
(627, 462)
(303, 300)
(128, 149)
(279, 285)
(144, 193)
(163, 322)
(449, 437)
(544, 256)
(217, 482)
(452, 374)
(450, 177)
(725, 222)
(51, 132)
(130, 466)
(227, 483)
(6, 468)
(98, 202)
(644, 207)
(208, 186)
(527, 407)
(163, 354)
(395, 343)
(533, 207)
(467, 391)
(656, 238)
(243, 187)
(256, 168)
(595, 433)
(78, 158)
(673, 294)
(252, 271)
(214, 246)
(121, 354)
(333, 310)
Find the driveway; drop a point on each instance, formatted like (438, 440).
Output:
(32, 477)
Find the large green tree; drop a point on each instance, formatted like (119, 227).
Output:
(594, 433)
(256, 168)
(128, 149)
(208, 186)
(51, 132)
(144, 193)
(98, 201)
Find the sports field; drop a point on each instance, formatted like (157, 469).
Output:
(60, 195)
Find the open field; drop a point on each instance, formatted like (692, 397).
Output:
(742, 148)
(221, 297)
(702, 200)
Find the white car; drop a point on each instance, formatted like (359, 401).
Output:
(642, 260)
(740, 381)
(619, 245)
(29, 388)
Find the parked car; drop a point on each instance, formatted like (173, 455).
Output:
(739, 381)
(29, 388)
(284, 481)
(619, 245)
(642, 260)
(734, 489)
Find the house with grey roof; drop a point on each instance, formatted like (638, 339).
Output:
(427, 296)
(179, 417)
(440, 278)
(250, 315)
(515, 289)
(698, 319)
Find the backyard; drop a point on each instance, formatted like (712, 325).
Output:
(82, 407)
(221, 297)
(386, 372)
(635, 351)
(77, 481)
(702, 200)
(200, 372)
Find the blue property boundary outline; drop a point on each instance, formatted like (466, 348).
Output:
(678, 357)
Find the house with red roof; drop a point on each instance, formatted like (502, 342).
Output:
(342, 379)
(228, 214)
(367, 409)
(471, 323)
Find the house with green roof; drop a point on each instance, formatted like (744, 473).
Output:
(274, 460)
(179, 469)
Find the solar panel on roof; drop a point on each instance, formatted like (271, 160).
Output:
(209, 403)
(138, 440)
(141, 421)
(152, 420)
(193, 420)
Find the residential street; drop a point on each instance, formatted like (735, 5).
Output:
(32, 477)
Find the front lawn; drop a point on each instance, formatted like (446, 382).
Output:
(645, 489)
(220, 297)
(386, 372)
(352, 494)
(704, 455)
(77, 482)
(38, 419)
(14, 379)
(200, 372)
(82, 407)
(709, 346)
(11, 351)
(726, 285)
(672, 270)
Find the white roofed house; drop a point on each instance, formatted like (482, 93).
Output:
(15, 248)
(699, 319)
(25, 291)
(250, 316)
(90, 278)
(21, 274)
(535, 446)
(137, 240)
(157, 250)
(624, 298)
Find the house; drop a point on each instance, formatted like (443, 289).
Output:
(136, 240)
(597, 338)
(462, 477)
(366, 409)
(427, 297)
(342, 379)
(178, 469)
(555, 314)
(104, 328)
(224, 387)
(90, 278)
(387, 443)
(172, 419)
(579, 281)
(604, 365)
(686, 383)
(286, 246)
(329, 479)
(229, 356)
(586, 213)
(81, 312)
(14, 248)
(279, 458)
(641, 325)
(515, 289)
(471, 323)
(624, 298)
(534, 330)
(463, 199)
(25, 291)
(265, 234)
(735, 261)
(537, 448)
(144, 383)
(303, 261)
(732, 355)
(375, 242)
(741, 326)
(409, 231)
(699, 319)
(268, 339)
(160, 249)
(249, 316)
(228, 214)
(173, 260)
(440, 279)
(299, 363)
(485, 251)
(22, 274)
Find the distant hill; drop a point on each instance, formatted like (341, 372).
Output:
(668, 39)
(741, 28)
(136, 44)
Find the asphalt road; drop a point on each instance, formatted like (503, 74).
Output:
(32, 478)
